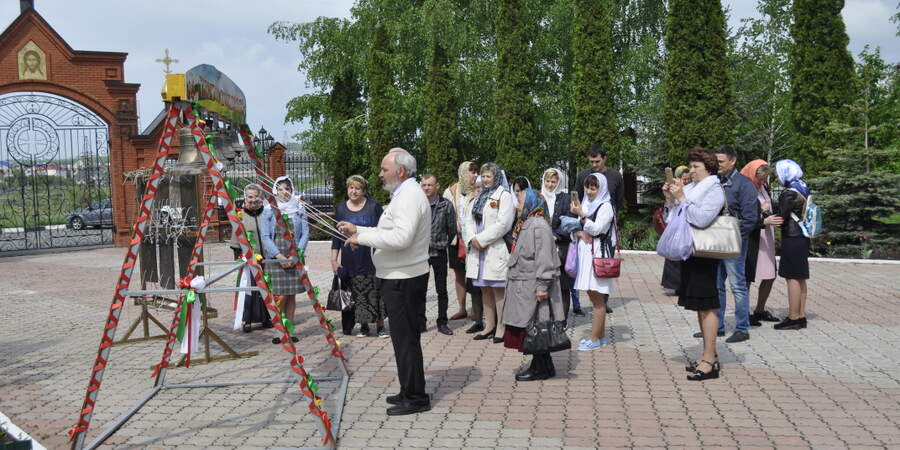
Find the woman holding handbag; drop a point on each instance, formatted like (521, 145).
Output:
(702, 202)
(532, 281)
(596, 213)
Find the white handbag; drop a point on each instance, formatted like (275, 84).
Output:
(721, 239)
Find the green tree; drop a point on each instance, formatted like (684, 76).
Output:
(762, 83)
(335, 110)
(698, 107)
(821, 79)
(592, 48)
(380, 120)
(440, 136)
(514, 130)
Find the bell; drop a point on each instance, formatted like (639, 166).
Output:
(189, 160)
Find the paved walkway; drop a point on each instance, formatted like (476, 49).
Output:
(834, 384)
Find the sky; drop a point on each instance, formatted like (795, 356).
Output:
(233, 38)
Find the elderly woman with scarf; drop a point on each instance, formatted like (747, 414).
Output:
(532, 281)
(460, 193)
(487, 220)
(760, 264)
(596, 213)
(794, 265)
(250, 306)
(285, 276)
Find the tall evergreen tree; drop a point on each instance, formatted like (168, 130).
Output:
(380, 105)
(821, 79)
(440, 135)
(514, 131)
(698, 107)
(592, 48)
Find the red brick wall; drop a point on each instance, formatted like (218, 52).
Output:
(93, 79)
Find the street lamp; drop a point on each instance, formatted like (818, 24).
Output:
(264, 141)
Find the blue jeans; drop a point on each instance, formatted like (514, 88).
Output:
(733, 269)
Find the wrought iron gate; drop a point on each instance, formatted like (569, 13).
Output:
(54, 174)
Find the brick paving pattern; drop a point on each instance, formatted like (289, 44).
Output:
(834, 384)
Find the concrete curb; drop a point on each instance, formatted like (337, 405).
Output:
(830, 260)
(17, 432)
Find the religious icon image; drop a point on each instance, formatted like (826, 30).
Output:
(32, 62)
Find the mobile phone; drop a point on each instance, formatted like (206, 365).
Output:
(670, 178)
(573, 195)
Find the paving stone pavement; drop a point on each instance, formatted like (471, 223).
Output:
(834, 384)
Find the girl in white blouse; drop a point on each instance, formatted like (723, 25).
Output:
(596, 213)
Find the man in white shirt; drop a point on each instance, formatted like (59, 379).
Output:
(400, 254)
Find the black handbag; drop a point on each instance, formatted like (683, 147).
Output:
(545, 336)
(338, 298)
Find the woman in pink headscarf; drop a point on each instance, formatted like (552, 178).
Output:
(760, 265)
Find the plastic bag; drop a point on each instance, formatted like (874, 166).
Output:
(572, 260)
(676, 242)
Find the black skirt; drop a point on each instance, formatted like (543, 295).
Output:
(671, 276)
(455, 262)
(794, 258)
(698, 291)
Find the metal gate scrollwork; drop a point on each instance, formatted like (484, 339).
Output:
(54, 174)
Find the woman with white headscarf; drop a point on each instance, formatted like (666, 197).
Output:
(488, 220)
(596, 213)
(553, 187)
(285, 276)
(794, 265)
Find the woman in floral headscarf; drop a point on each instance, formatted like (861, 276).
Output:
(487, 220)
(760, 264)
(794, 265)
(533, 276)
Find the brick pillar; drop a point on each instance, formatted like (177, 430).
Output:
(275, 162)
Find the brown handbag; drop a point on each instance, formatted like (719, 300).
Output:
(608, 267)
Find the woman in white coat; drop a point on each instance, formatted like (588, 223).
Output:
(488, 219)
(596, 213)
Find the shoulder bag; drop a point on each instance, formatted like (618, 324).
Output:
(607, 266)
(338, 298)
(545, 336)
(721, 239)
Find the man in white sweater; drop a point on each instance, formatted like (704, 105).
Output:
(400, 254)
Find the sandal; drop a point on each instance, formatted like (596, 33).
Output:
(692, 366)
(700, 375)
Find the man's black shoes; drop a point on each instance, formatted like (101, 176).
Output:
(408, 408)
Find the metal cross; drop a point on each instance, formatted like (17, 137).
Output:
(167, 61)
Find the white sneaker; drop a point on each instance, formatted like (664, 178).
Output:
(588, 345)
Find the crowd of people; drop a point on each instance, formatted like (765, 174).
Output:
(521, 254)
(716, 187)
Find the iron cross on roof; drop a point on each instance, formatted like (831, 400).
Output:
(167, 61)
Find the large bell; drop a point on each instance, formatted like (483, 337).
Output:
(189, 160)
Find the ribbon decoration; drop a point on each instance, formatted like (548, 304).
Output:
(190, 296)
(288, 325)
(189, 315)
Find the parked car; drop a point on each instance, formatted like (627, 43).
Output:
(321, 196)
(95, 215)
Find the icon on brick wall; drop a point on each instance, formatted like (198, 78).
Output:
(32, 62)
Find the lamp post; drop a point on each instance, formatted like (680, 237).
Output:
(264, 142)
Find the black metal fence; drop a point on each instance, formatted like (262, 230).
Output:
(311, 180)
